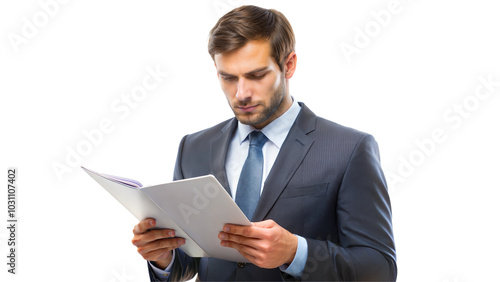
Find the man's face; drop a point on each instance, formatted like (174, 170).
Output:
(253, 84)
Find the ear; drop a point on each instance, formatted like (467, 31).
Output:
(290, 65)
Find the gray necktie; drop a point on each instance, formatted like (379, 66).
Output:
(248, 191)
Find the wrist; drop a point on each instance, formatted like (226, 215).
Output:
(293, 249)
(163, 263)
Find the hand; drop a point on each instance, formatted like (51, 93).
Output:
(265, 243)
(155, 245)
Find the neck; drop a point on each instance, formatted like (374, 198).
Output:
(285, 104)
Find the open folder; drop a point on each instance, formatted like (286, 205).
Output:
(196, 208)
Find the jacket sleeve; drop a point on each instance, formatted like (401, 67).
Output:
(183, 269)
(366, 249)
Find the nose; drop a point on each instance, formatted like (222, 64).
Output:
(243, 91)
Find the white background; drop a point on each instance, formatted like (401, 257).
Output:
(61, 77)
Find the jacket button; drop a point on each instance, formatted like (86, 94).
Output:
(241, 264)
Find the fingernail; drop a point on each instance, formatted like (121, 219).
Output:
(171, 233)
(222, 236)
(226, 229)
(223, 243)
(151, 223)
(181, 242)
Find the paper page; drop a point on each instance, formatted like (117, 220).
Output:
(123, 180)
(201, 207)
(141, 206)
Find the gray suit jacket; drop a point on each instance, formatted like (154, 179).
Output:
(326, 185)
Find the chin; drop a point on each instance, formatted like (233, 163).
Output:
(249, 120)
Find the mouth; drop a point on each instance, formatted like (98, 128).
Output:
(247, 109)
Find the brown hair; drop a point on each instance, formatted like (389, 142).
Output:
(246, 23)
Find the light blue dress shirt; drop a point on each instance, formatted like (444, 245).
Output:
(276, 133)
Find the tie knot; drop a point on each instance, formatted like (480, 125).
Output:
(257, 138)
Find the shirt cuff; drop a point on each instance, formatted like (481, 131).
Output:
(299, 261)
(162, 274)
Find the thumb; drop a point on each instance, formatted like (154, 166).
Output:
(265, 224)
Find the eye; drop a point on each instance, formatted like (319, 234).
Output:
(257, 77)
(228, 78)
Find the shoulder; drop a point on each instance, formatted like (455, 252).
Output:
(331, 139)
(211, 133)
(321, 128)
(344, 140)
(323, 125)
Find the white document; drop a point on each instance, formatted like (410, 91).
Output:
(196, 208)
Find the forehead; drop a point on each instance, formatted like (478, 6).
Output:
(253, 55)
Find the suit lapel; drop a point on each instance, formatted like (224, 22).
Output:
(218, 153)
(291, 154)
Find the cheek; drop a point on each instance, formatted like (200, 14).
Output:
(228, 89)
(274, 83)
(266, 88)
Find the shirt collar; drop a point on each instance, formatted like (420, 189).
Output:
(276, 131)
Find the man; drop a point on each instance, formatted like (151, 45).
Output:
(321, 210)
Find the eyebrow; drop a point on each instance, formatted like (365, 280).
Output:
(246, 74)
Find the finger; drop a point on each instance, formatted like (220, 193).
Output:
(164, 244)
(152, 235)
(265, 224)
(245, 250)
(242, 240)
(144, 225)
(246, 231)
